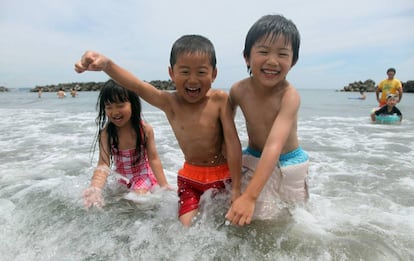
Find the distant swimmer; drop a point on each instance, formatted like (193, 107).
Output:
(363, 96)
(73, 92)
(61, 93)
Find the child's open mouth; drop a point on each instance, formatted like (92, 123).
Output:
(193, 92)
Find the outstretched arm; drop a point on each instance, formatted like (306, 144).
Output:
(93, 61)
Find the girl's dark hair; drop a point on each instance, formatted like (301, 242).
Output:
(273, 26)
(193, 44)
(112, 92)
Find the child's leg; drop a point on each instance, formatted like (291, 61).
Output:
(189, 198)
(294, 167)
(187, 218)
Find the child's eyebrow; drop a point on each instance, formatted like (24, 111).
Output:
(287, 48)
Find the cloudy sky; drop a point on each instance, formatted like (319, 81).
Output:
(341, 42)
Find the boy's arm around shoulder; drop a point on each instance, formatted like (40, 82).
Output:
(231, 141)
(93, 61)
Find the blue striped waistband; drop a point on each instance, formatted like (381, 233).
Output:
(293, 157)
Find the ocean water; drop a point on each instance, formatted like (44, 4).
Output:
(361, 182)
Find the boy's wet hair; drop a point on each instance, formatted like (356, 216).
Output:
(193, 44)
(273, 26)
(391, 70)
(111, 93)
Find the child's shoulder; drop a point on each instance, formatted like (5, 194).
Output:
(218, 94)
(290, 94)
(243, 83)
(240, 87)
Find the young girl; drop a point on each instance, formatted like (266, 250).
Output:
(125, 141)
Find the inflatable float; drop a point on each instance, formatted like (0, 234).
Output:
(387, 119)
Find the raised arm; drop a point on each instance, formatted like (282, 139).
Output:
(93, 61)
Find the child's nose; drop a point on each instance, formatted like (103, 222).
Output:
(192, 78)
(273, 59)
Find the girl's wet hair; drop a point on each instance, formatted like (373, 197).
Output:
(110, 93)
(273, 26)
(193, 44)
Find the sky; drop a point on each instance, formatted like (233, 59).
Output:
(341, 41)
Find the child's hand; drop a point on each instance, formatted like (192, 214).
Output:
(91, 61)
(241, 211)
(92, 197)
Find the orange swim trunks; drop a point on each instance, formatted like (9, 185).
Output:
(193, 181)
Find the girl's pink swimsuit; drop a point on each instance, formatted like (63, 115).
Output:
(139, 173)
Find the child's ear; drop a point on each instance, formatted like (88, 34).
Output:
(171, 73)
(214, 75)
(246, 60)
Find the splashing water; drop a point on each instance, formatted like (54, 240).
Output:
(361, 190)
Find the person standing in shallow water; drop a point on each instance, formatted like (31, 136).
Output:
(73, 92)
(390, 85)
(125, 141)
(363, 96)
(39, 93)
(201, 118)
(275, 167)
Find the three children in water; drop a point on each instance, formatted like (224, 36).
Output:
(273, 167)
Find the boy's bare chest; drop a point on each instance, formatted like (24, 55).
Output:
(193, 120)
(260, 110)
(190, 121)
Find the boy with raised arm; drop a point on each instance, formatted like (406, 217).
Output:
(275, 167)
(201, 118)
